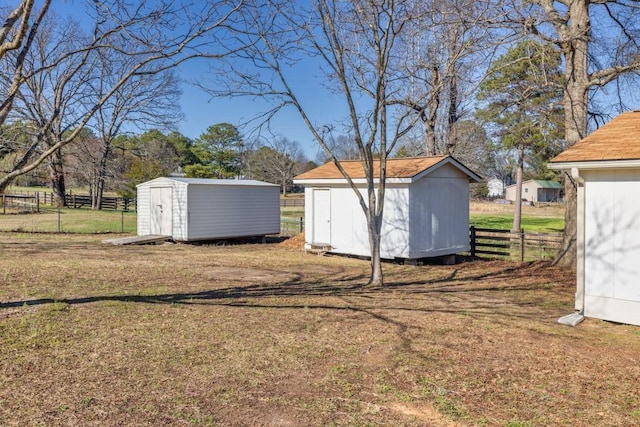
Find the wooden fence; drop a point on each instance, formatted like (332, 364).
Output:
(21, 201)
(292, 203)
(112, 203)
(523, 246)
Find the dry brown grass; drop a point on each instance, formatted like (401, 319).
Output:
(92, 334)
(540, 209)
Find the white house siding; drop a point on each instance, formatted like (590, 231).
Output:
(349, 233)
(425, 219)
(144, 206)
(396, 226)
(529, 192)
(612, 245)
(440, 214)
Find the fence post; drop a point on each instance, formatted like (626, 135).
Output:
(472, 240)
(38, 201)
(301, 225)
(522, 245)
(4, 204)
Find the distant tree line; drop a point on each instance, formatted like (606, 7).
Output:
(219, 152)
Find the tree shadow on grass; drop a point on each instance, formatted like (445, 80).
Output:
(354, 295)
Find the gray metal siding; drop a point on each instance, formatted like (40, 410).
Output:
(221, 211)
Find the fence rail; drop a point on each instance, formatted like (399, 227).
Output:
(22, 201)
(292, 203)
(291, 226)
(521, 245)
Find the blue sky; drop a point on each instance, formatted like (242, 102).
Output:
(201, 111)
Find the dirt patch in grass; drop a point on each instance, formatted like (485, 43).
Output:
(266, 335)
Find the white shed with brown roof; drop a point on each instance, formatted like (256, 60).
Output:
(606, 167)
(426, 208)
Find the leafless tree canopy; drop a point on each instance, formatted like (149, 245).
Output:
(154, 37)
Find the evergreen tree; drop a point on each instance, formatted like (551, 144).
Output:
(523, 95)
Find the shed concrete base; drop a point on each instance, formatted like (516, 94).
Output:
(572, 319)
(151, 239)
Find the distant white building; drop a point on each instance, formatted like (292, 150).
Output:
(496, 187)
(536, 190)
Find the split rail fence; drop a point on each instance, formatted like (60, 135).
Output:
(519, 245)
(38, 200)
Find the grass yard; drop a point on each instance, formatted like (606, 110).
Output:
(541, 217)
(70, 221)
(94, 334)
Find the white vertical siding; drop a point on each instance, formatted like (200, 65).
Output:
(440, 214)
(396, 224)
(143, 211)
(612, 245)
(426, 218)
(348, 223)
(180, 211)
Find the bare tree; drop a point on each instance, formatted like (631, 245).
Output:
(279, 162)
(17, 35)
(149, 101)
(444, 51)
(597, 53)
(355, 44)
(48, 99)
(159, 36)
(342, 146)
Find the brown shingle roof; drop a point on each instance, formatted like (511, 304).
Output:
(619, 139)
(396, 168)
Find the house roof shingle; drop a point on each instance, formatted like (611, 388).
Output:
(619, 139)
(396, 168)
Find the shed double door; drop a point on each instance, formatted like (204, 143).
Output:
(161, 210)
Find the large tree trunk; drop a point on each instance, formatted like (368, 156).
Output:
(102, 174)
(429, 117)
(575, 44)
(376, 279)
(56, 178)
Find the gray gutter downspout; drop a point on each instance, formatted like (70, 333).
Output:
(578, 316)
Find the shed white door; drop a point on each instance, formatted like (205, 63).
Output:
(322, 216)
(161, 211)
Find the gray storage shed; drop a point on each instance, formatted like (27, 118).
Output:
(190, 209)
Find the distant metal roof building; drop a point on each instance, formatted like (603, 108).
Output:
(548, 184)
